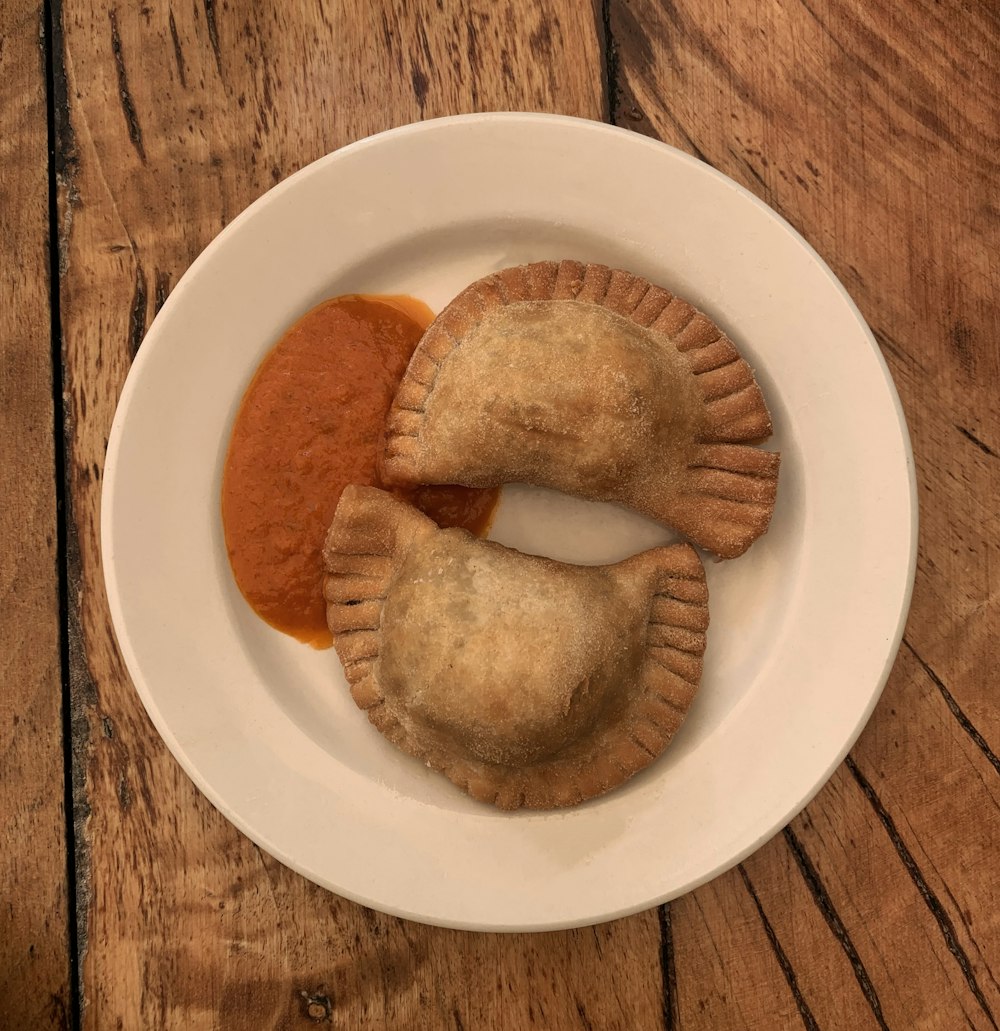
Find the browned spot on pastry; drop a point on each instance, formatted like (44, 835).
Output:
(651, 306)
(684, 664)
(677, 637)
(674, 318)
(738, 416)
(712, 356)
(624, 292)
(596, 280)
(569, 280)
(725, 379)
(357, 674)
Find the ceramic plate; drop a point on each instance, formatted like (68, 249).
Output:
(804, 627)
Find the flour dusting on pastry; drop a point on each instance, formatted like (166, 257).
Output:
(592, 381)
(527, 682)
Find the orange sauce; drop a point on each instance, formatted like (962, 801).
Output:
(310, 423)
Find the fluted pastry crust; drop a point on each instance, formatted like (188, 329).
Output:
(527, 682)
(592, 381)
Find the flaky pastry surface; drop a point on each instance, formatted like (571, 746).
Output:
(525, 681)
(592, 381)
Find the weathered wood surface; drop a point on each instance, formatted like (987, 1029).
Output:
(876, 134)
(177, 118)
(34, 926)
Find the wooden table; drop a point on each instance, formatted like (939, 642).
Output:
(130, 135)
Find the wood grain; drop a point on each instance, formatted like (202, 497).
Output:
(876, 133)
(176, 118)
(34, 937)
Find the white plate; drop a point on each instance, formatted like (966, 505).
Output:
(804, 627)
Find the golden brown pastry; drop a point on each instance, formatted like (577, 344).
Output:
(525, 681)
(594, 382)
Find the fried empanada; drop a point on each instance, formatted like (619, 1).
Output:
(527, 682)
(594, 382)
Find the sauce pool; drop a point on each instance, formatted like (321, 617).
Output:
(310, 423)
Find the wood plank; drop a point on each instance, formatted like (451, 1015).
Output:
(180, 116)
(875, 132)
(34, 928)
(840, 870)
(723, 959)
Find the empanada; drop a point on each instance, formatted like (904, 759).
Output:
(594, 382)
(525, 681)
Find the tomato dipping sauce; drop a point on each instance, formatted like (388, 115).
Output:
(310, 423)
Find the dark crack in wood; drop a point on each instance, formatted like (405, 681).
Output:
(178, 55)
(668, 970)
(61, 170)
(137, 313)
(826, 907)
(963, 721)
(984, 447)
(933, 903)
(213, 33)
(124, 93)
(791, 979)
